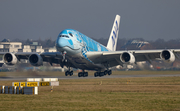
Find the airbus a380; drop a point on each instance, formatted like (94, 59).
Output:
(76, 50)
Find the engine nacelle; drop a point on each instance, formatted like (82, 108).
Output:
(35, 60)
(127, 58)
(10, 59)
(167, 56)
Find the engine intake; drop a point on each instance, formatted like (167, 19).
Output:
(167, 56)
(35, 60)
(10, 59)
(127, 58)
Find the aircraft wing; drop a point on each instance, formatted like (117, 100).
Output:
(2, 53)
(113, 57)
(1, 56)
(51, 57)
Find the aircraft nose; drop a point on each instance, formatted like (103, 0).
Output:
(62, 42)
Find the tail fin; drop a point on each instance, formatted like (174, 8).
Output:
(114, 34)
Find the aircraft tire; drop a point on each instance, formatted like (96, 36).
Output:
(66, 73)
(105, 72)
(102, 73)
(109, 72)
(80, 74)
(96, 74)
(85, 74)
(71, 73)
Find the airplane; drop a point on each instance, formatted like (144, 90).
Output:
(76, 50)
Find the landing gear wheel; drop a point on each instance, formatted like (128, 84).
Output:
(109, 72)
(101, 74)
(82, 74)
(79, 74)
(71, 73)
(85, 74)
(105, 72)
(96, 74)
(66, 73)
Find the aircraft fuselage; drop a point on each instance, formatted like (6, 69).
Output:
(75, 45)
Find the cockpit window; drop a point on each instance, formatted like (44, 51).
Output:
(63, 36)
(71, 34)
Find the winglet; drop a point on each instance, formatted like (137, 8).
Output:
(114, 34)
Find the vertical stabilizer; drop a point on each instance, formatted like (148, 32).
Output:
(114, 34)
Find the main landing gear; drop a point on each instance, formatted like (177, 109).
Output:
(83, 74)
(70, 73)
(100, 74)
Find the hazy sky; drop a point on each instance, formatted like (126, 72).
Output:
(34, 19)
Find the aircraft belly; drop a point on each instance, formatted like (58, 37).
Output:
(82, 63)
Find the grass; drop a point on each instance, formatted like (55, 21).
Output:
(102, 94)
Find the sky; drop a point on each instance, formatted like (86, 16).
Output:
(34, 19)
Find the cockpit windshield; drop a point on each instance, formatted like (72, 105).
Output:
(63, 36)
(71, 34)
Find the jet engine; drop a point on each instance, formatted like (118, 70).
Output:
(127, 58)
(10, 59)
(35, 60)
(167, 56)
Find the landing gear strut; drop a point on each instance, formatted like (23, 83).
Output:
(100, 74)
(64, 56)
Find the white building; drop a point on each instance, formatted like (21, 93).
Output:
(32, 48)
(50, 49)
(7, 46)
(26, 48)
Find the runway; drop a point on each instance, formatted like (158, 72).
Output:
(89, 77)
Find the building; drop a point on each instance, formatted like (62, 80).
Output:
(50, 49)
(7, 46)
(32, 48)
